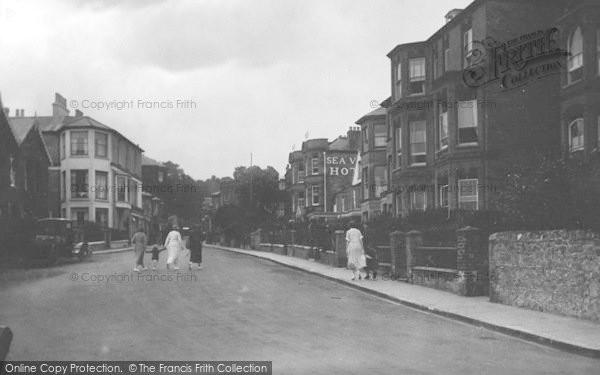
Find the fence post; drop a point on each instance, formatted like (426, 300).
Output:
(398, 252)
(293, 236)
(340, 248)
(472, 260)
(414, 239)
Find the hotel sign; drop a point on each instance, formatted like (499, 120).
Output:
(340, 165)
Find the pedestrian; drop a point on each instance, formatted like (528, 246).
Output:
(355, 250)
(155, 253)
(196, 238)
(174, 245)
(139, 242)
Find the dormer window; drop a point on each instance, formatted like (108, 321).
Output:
(575, 63)
(417, 76)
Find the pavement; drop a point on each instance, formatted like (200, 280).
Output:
(561, 332)
(240, 307)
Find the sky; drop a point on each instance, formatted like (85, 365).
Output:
(207, 83)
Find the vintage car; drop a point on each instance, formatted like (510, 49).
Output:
(57, 238)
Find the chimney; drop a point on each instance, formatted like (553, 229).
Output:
(78, 113)
(354, 137)
(451, 14)
(59, 108)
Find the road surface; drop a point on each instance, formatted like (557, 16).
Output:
(244, 308)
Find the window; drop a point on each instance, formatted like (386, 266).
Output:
(380, 180)
(417, 76)
(468, 46)
(418, 200)
(443, 131)
(447, 60)
(63, 145)
(161, 176)
(398, 86)
(315, 165)
(365, 182)
(354, 200)
(399, 204)
(101, 145)
(63, 186)
(398, 147)
(79, 183)
(12, 174)
(444, 196)
(315, 195)
(133, 193)
(301, 199)
(418, 140)
(79, 143)
(380, 135)
(576, 135)
(81, 215)
(467, 122)
(301, 172)
(598, 49)
(121, 188)
(575, 61)
(467, 194)
(365, 137)
(102, 216)
(101, 185)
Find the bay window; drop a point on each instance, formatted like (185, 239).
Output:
(416, 76)
(121, 188)
(63, 145)
(380, 135)
(101, 185)
(467, 122)
(398, 84)
(468, 194)
(443, 131)
(79, 143)
(418, 138)
(101, 144)
(79, 183)
(365, 182)
(398, 147)
(418, 200)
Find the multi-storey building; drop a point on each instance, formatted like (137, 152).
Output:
(476, 96)
(580, 81)
(154, 183)
(96, 171)
(319, 171)
(373, 147)
(10, 204)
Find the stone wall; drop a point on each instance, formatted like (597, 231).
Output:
(550, 271)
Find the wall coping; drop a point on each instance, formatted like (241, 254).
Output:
(549, 235)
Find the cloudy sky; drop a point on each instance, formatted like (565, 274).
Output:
(261, 73)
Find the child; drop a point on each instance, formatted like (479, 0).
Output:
(155, 252)
(372, 264)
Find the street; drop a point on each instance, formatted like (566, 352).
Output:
(243, 308)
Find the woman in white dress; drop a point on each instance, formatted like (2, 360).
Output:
(355, 250)
(174, 245)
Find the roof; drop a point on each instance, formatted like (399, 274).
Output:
(379, 112)
(151, 162)
(21, 128)
(341, 143)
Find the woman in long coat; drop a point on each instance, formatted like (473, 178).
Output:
(196, 239)
(139, 242)
(355, 250)
(174, 245)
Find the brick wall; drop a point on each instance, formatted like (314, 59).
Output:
(551, 271)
